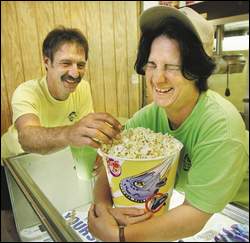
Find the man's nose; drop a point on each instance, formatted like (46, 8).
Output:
(74, 71)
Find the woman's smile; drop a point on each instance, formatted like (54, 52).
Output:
(163, 90)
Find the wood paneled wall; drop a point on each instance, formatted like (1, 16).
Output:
(111, 28)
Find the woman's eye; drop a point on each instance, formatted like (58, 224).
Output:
(151, 66)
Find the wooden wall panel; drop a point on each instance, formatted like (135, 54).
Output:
(95, 54)
(121, 58)
(78, 16)
(111, 29)
(45, 23)
(132, 43)
(26, 24)
(5, 105)
(108, 57)
(62, 15)
(11, 62)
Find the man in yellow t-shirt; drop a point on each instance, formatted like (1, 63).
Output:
(33, 97)
(56, 111)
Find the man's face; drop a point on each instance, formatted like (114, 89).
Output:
(66, 70)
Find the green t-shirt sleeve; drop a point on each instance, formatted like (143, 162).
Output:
(24, 101)
(132, 123)
(138, 119)
(149, 116)
(217, 174)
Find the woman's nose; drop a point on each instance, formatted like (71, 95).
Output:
(159, 76)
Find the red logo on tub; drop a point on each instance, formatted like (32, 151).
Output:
(156, 202)
(114, 167)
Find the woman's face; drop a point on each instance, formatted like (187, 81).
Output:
(169, 87)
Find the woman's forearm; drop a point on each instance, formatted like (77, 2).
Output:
(178, 223)
(102, 194)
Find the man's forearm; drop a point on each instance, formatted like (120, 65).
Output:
(43, 140)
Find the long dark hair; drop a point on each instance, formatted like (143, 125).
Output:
(195, 63)
(58, 36)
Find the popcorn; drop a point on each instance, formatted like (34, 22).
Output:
(141, 143)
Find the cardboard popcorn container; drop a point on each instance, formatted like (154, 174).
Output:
(142, 183)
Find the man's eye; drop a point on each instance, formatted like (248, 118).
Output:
(81, 66)
(66, 64)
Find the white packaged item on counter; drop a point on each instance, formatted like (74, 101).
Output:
(35, 233)
(212, 228)
(77, 220)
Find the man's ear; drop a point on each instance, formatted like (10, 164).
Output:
(46, 61)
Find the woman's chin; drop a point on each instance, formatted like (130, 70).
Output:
(163, 102)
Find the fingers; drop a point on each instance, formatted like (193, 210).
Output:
(103, 116)
(88, 136)
(84, 140)
(120, 219)
(106, 129)
(98, 160)
(132, 211)
(92, 214)
(99, 210)
(137, 219)
(125, 216)
(95, 211)
(102, 132)
(97, 129)
(129, 211)
(104, 225)
(93, 221)
(98, 165)
(103, 119)
(94, 129)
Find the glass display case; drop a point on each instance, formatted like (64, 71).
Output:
(44, 189)
(50, 203)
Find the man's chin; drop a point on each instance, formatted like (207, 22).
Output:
(71, 90)
(70, 86)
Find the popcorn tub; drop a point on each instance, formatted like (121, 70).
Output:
(142, 183)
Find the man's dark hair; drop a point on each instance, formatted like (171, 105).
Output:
(195, 63)
(61, 35)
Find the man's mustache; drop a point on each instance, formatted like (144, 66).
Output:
(68, 77)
